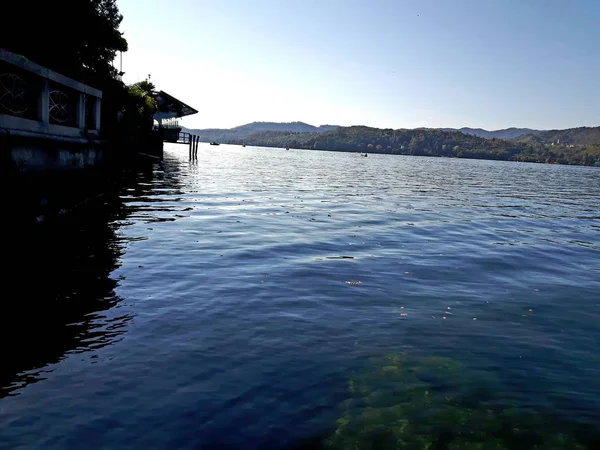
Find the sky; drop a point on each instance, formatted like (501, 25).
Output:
(488, 64)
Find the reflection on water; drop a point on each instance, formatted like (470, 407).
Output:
(59, 288)
(241, 292)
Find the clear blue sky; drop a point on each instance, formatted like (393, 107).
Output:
(385, 63)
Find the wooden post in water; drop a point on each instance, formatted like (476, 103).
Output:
(190, 142)
(196, 147)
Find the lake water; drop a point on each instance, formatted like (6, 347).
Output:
(225, 303)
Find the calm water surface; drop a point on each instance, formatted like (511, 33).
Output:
(222, 303)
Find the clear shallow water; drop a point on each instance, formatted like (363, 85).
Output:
(222, 303)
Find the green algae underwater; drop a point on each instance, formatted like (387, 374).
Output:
(436, 403)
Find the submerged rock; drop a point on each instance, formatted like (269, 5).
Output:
(404, 402)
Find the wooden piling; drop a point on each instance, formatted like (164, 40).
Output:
(190, 142)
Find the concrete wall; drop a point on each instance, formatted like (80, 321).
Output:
(30, 154)
(30, 158)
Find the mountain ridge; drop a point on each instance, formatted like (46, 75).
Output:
(242, 131)
(504, 133)
(570, 146)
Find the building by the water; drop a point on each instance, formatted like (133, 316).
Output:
(168, 113)
(50, 122)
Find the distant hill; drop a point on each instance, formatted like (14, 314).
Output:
(570, 146)
(507, 133)
(571, 136)
(581, 136)
(576, 136)
(295, 127)
(243, 131)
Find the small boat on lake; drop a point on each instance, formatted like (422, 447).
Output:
(214, 143)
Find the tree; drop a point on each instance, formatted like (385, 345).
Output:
(413, 145)
(142, 106)
(78, 38)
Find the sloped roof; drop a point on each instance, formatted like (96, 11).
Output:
(169, 107)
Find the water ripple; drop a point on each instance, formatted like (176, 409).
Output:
(242, 289)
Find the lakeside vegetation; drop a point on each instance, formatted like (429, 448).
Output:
(580, 146)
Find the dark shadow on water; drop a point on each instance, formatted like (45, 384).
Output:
(60, 250)
(57, 284)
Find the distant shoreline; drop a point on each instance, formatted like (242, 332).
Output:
(576, 146)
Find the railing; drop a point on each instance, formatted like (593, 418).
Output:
(184, 138)
(170, 124)
(34, 99)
